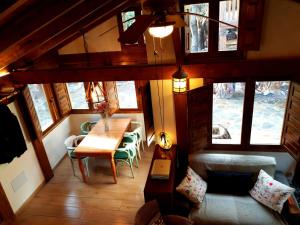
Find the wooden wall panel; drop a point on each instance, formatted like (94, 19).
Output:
(291, 128)
(199, 103)
(251, 13)
(62, 97)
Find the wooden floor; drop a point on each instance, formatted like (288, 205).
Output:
(67, 200)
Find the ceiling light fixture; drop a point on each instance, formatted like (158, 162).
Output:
(161, 30)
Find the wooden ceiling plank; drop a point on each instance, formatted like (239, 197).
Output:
(11, 12)
(68, 24)
(41, 15)
(66, 36)
(255, 69)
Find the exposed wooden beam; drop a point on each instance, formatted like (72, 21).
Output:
(129, 56)
(84, 25)
(258, 69)
(13, 10)
(73, 15)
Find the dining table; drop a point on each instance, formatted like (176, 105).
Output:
(99, 142)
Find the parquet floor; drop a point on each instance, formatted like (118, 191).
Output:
(66, 200)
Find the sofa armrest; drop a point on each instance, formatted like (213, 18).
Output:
(176, 220)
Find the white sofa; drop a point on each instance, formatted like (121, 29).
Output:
(228, 209)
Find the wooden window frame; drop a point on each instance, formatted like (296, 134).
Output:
(53, 109)
(213, 53)
(139, 109)
(247, 119)
(141, 43)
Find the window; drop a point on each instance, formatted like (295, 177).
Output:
(126, 94)
(268, 113)
(197, 31)
(77, 95)
(228, 36)
(41, 105)
(125, 21)
(209, 37)
(228, 103)
(126, 16)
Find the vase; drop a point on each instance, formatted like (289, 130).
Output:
(105, 120)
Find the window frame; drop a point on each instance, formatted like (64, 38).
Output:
(213, 53)
(53, 108)
(247, 118)
(137, 10)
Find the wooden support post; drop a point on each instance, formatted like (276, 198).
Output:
(180, 102)
(36, 140)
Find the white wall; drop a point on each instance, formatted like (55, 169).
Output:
(95, 41)
(54, 142)
(169, 111)
(24, 170)
(280, 30)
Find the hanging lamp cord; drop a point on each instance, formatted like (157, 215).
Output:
(160, 103)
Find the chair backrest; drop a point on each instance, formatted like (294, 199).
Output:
(86, 127)
(69, 142)
(78, 139)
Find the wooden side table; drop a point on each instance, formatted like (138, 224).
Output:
(162, 190)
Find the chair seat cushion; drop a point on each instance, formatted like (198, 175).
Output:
(233, 210)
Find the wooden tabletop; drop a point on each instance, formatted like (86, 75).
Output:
(99, 141)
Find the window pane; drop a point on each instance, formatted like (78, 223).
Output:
(196, 34)
(40, 105)
(77, 95)
(126, 95)
(268, 112)
(228, 103)
(228, 36)
(126, 16)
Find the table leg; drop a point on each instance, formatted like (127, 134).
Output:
(81, 167)
(113, 167)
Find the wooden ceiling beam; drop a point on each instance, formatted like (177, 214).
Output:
(70, 19)
(85, 24)
(40, 15)
(238, 70)
(14, 10)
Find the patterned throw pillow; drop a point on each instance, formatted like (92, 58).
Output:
(193, 187)
(270, 192)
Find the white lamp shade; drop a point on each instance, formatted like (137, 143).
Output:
(161, 31)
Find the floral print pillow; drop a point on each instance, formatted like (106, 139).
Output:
(193, 187)
(270, 192)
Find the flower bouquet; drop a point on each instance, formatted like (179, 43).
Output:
(103, 108)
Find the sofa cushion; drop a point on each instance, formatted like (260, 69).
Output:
(193, 187)
(238, 183)
(270, 192)
(232, 210)
(202, 162)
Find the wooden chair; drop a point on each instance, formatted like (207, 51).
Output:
(86, 127)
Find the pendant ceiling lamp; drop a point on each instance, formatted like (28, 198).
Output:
(161, 30)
